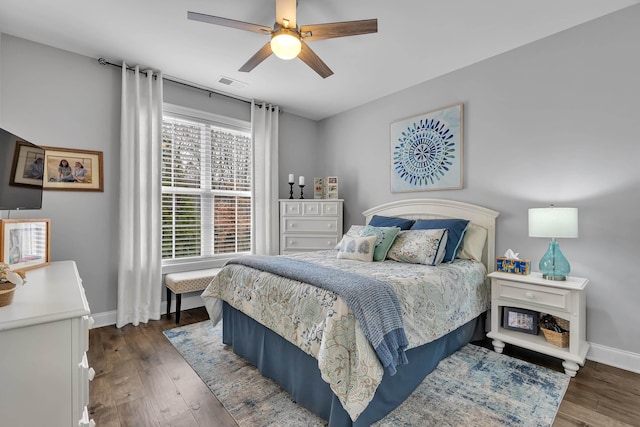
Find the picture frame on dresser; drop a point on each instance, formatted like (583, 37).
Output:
(25, 243)
(520, 319)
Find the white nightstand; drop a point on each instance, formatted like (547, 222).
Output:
(564, 299)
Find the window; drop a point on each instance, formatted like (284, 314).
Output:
(206, 186)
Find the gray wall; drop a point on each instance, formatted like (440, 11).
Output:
(55, 98)
(59, 99)
(556, 121)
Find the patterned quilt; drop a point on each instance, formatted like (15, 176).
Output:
(435, 301)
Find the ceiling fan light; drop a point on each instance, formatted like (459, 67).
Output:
(285, 44)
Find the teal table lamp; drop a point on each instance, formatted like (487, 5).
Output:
(554, 223)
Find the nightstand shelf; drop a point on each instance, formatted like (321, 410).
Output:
(565, 299)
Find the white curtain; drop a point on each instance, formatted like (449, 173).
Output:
(264, 130)
(140, 256)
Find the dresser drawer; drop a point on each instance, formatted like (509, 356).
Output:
(310, 225)
(308, 243)
(543, 296)
(291, 208)
(331, 208)
(310, 208)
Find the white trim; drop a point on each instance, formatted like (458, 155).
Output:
(615, 357)
(109, 317)
(180, 112)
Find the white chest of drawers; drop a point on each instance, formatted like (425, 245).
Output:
(564, 299)
(309, 225)
(44, 337)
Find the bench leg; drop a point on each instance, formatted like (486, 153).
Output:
(178, 302)
(168, 303)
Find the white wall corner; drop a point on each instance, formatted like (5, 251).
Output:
(109, 317)
(614, 357)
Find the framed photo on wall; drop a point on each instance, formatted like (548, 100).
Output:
(24, 243)
(72, 170)
(519, 319)
(27, 167)
(426, 151)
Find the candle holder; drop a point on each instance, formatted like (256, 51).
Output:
(291, 190)
(301, 188)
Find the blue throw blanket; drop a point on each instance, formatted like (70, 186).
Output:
(373, 302)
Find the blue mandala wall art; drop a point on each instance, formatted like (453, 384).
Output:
(426, 151)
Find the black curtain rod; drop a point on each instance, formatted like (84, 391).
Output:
(103, 61)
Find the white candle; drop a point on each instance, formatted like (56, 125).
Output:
(301, 181)
(291, 181)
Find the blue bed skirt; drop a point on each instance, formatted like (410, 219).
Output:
(298, 373)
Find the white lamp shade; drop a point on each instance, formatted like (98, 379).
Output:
(553, 222)
(285, 44)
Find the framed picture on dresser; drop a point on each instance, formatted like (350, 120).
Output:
(24, 243)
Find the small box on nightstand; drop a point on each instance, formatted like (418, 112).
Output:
(514, 266)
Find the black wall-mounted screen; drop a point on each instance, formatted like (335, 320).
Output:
(21, 170)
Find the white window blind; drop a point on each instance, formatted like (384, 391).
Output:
(206, 189)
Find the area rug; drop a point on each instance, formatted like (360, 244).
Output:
(473, 387)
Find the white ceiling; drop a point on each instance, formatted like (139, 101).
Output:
(417, 40)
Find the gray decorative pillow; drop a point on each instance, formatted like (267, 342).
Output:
(385, 236)
(419, 246)
(357, 248)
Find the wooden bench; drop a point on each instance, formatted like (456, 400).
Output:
(187, 281)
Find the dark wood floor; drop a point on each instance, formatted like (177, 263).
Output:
(141, 380)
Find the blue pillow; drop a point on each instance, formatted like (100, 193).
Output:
(456, 228)
(391, 221)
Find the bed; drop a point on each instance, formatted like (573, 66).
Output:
(319, 349)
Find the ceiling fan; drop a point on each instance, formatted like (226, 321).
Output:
(287, 40)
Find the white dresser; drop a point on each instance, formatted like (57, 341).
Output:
(310, 225)
(44, 337)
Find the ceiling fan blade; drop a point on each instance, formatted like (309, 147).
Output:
(216, 20)
(256, 59)
(286, 9)
(310, 58)
(338, 29)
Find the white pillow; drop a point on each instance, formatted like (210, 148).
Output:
(357, 248)
(419, 246)
(473, 243)
(354, 231)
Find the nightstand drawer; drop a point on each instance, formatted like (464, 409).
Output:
(540, 295)
(308, 243)
(306, 225)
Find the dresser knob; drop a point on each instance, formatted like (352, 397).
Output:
(329, 225)
(92, 322)
(529, 295)
(92, 374)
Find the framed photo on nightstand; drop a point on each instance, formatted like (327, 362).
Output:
(519, 319)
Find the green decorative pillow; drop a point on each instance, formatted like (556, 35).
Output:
(385, 236)
(419, 246)
(357, 248)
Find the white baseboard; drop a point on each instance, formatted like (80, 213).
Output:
(109, 317)
(614, 357)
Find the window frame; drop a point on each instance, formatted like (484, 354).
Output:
(233, 124)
